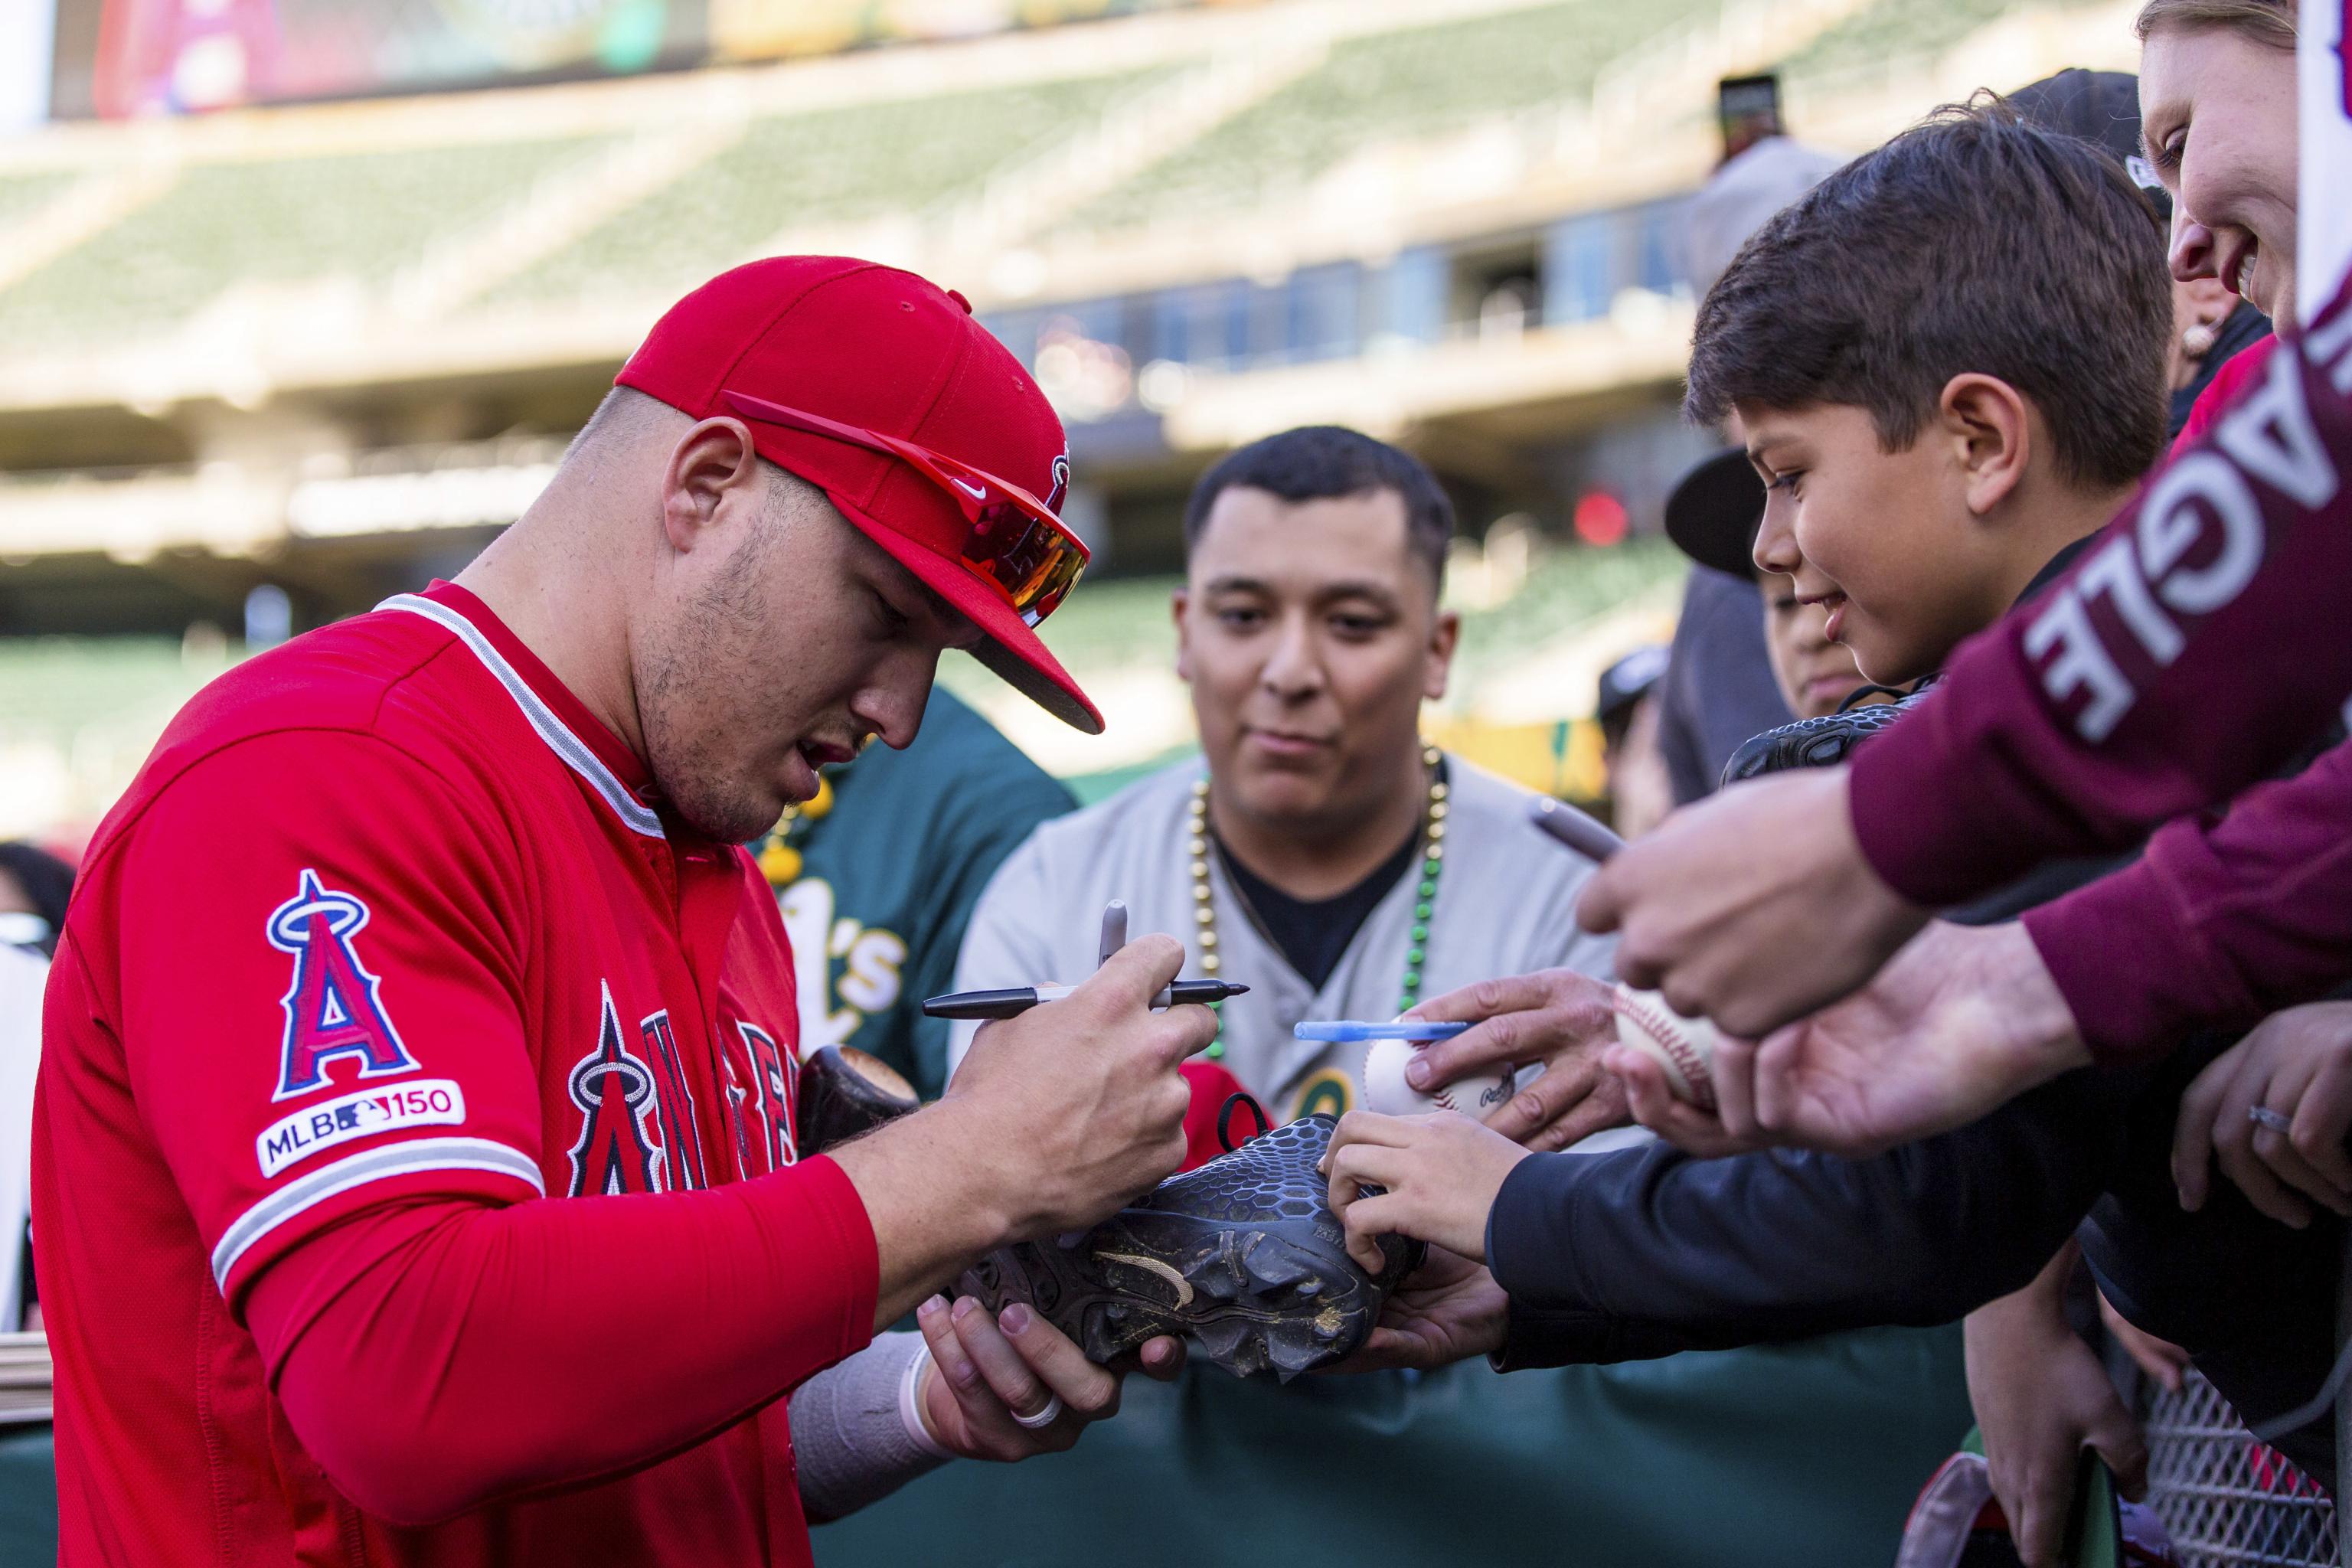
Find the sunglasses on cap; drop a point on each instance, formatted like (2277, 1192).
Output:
(1014, 544)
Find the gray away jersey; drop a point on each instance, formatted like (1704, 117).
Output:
(1506, 905)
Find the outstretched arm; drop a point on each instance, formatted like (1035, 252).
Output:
(2172, 667)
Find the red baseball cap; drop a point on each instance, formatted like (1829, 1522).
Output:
(882, 390)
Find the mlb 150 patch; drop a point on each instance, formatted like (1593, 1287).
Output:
(297, 1137)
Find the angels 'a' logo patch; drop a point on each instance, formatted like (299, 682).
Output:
(1059, 490)
(331, 1005)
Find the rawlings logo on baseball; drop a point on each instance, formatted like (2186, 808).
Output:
(1685, 1046)
(1387, 1092)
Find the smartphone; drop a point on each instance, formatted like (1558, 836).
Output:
(1573, 829)
(1747, 110)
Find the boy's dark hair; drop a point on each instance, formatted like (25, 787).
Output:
(1973, 242)
(1322, 462)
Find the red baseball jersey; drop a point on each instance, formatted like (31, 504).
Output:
(390, 917)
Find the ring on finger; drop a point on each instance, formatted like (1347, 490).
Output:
(2263, 1116)
(1044, 1418)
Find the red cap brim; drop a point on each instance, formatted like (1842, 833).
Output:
(1010, 649)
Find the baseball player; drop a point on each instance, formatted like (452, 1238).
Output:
(416, 1175)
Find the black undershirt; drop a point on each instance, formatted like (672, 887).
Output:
(1314, 933)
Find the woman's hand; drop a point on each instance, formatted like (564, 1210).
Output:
(2273, 1110)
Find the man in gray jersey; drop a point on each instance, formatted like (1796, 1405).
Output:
(1348, 872)
(1318, 851)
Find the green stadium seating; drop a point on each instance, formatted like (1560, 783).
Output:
(21, 195)
(842, 165)
(220, 225)
(1892, 30)
(1415, 82)
(1124, 621)
(54, 688)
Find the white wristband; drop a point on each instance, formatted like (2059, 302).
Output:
(910, 1407)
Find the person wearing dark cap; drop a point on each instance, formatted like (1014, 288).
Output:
(1713, 516)
(1641, 792)
(418, 1177)
(1717, 690)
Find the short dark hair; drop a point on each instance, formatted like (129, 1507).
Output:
(1973, 242)
(1323, 462)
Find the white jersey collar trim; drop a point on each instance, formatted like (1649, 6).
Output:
(570, 748)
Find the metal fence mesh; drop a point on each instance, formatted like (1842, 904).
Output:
(2227, 1500)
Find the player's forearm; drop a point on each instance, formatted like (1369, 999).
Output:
(2177, 662)
(936, 1188)
(435, 1357)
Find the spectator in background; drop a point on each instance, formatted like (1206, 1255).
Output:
(1718, 687)
(34, 888)
(1640, 792)
(877, 876)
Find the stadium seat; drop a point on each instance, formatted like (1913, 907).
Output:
(1409, 83)
(832, 166)
(270, 221)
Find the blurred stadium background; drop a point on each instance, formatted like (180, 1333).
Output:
(299, 299)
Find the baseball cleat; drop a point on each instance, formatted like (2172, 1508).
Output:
(844, 1092)
(1244, 1255)
(1821, 742)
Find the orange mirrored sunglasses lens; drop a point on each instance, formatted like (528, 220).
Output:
(1032, 562)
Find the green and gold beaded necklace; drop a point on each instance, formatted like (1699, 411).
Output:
(1204, 912)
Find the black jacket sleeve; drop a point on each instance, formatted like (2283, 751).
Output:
(1646, 1252)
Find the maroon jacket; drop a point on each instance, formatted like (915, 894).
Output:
(2203, 640)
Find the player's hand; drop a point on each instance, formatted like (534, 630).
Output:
(1555, 1017)
(1441, 1173)
(2295, 1065)
(1448, 1310)
(2040, 1398)
(1079, 1103)
(1961, 1020)
(984, 1371)
(1751, 908)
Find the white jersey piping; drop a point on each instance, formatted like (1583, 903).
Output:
(375, 1165)
(559, 738)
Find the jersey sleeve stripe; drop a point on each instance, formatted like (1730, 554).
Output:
(553, 730)
(375, 1165)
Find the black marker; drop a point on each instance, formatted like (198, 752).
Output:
(1019, 999)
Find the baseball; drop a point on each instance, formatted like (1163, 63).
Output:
(1386, 1090)
(1683, 1047)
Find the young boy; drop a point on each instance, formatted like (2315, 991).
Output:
(1948, 359)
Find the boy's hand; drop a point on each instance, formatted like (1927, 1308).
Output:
(1555, 1017)
(1441, 1173)
(1963, 1019)
(1448, 1311)
(1753, 907)
(2295, 1068)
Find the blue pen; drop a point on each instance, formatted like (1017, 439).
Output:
(1348, 1031)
